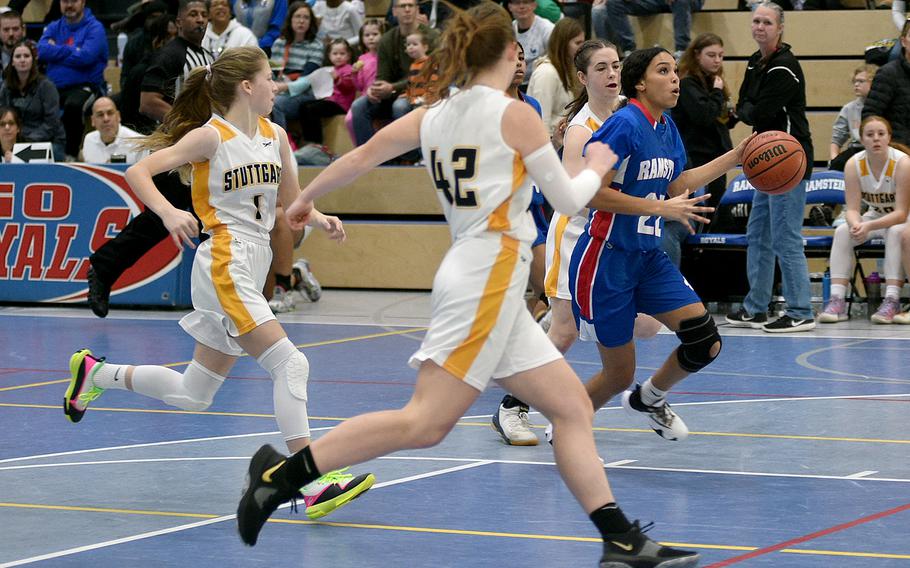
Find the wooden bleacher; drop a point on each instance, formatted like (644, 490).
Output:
(397, 253)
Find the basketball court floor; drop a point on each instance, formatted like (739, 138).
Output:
(799, 454)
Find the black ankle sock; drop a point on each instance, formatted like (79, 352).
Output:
(301, 468)
(510, 401)
(610, 520)
(283, 280)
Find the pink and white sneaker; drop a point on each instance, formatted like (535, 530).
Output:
(334, 490)
(835, 311)
(890, 307)
(82, 390)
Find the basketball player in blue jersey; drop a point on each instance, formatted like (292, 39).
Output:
(618, 268)
(233, 158)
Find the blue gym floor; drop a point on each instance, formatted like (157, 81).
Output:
(799, 454)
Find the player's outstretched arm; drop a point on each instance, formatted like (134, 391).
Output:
(196, 146)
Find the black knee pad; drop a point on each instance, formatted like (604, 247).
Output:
(697, 335)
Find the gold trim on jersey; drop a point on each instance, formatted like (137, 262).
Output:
(494, 292)
(265, 128)
(499, 218)
(551, 281)
(592, 124)
(223, 129)
(889, 171)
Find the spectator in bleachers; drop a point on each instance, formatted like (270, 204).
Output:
(898, 16)
(773, 97)
(224, 31)
(879, 177)
(600, 23)
(298, 53)
(366, 65)
(10, 127)
(110, 142)
(12, 30)
(263, 17)
(418, 47)
(158, 32)
(139, 41)
(338, 54)
(846, 125)
(75, 51)
(554, 82)
(890, 93)
(704, 111)
(35, 98)
(531, 31)
(172, 65)
(381, 99)
(618, 12)
(338, 19)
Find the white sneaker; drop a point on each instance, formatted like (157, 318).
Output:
(305, 283)
(512, 424)
(546, 321)
(548, 433)
(661, 419)
(282, 301)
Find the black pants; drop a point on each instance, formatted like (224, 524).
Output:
(311, 115)
(839, 161)
(72, 102)
(141, 234)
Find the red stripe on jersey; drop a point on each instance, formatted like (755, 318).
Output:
(584, 280)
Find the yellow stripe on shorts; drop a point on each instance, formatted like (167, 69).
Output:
(551, 280)
(494, 292)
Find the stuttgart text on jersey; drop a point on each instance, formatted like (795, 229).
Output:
(257, 174)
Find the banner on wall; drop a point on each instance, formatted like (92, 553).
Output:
(54, 216)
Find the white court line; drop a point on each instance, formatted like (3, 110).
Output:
(619, 463)
(862, 474)
(142, 536)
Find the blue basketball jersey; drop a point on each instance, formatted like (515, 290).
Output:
(651, 155)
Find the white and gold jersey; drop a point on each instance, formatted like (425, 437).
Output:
(237, 189)
(481, 182)
(878, 187)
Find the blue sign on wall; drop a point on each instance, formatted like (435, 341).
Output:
(54, 216)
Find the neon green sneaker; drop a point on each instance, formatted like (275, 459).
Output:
(334, 490)
(82, 390)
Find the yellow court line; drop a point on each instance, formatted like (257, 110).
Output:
(475, 424)
(462, 532)
(301, 346)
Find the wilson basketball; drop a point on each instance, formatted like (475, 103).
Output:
(774, 162)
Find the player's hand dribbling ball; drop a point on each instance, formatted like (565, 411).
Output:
(774, 162)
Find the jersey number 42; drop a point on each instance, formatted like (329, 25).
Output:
(464, 166)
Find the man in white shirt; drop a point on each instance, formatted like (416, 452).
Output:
(110, 142)
(532, 31)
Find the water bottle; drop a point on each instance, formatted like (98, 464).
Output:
(121, 45)
(873, 292)
(826, 287)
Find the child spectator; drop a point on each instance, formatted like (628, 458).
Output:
(367, 63)
(338, 19)
(35, 98)
(338, 54)
(10, 126)
(846, 126)
(417, 46)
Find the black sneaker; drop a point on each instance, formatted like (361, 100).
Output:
(741, 318)
(787, 324)
(99, 294)
(263, 493)
(633, 549)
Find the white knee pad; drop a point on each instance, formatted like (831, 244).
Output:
(290, 370)
(198, 388)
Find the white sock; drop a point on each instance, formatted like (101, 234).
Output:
(839, 290)
(893, 292)
(651, 395)
(110, 376)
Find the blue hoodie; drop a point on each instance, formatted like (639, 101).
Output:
(79, 53)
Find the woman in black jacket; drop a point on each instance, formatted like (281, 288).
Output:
(36, 99)
(773, 97)
(890, 93)
(703, 113)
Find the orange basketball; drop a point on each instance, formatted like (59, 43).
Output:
(774, 162)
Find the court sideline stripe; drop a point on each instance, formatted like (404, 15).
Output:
(808, 537)
(221, 519)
